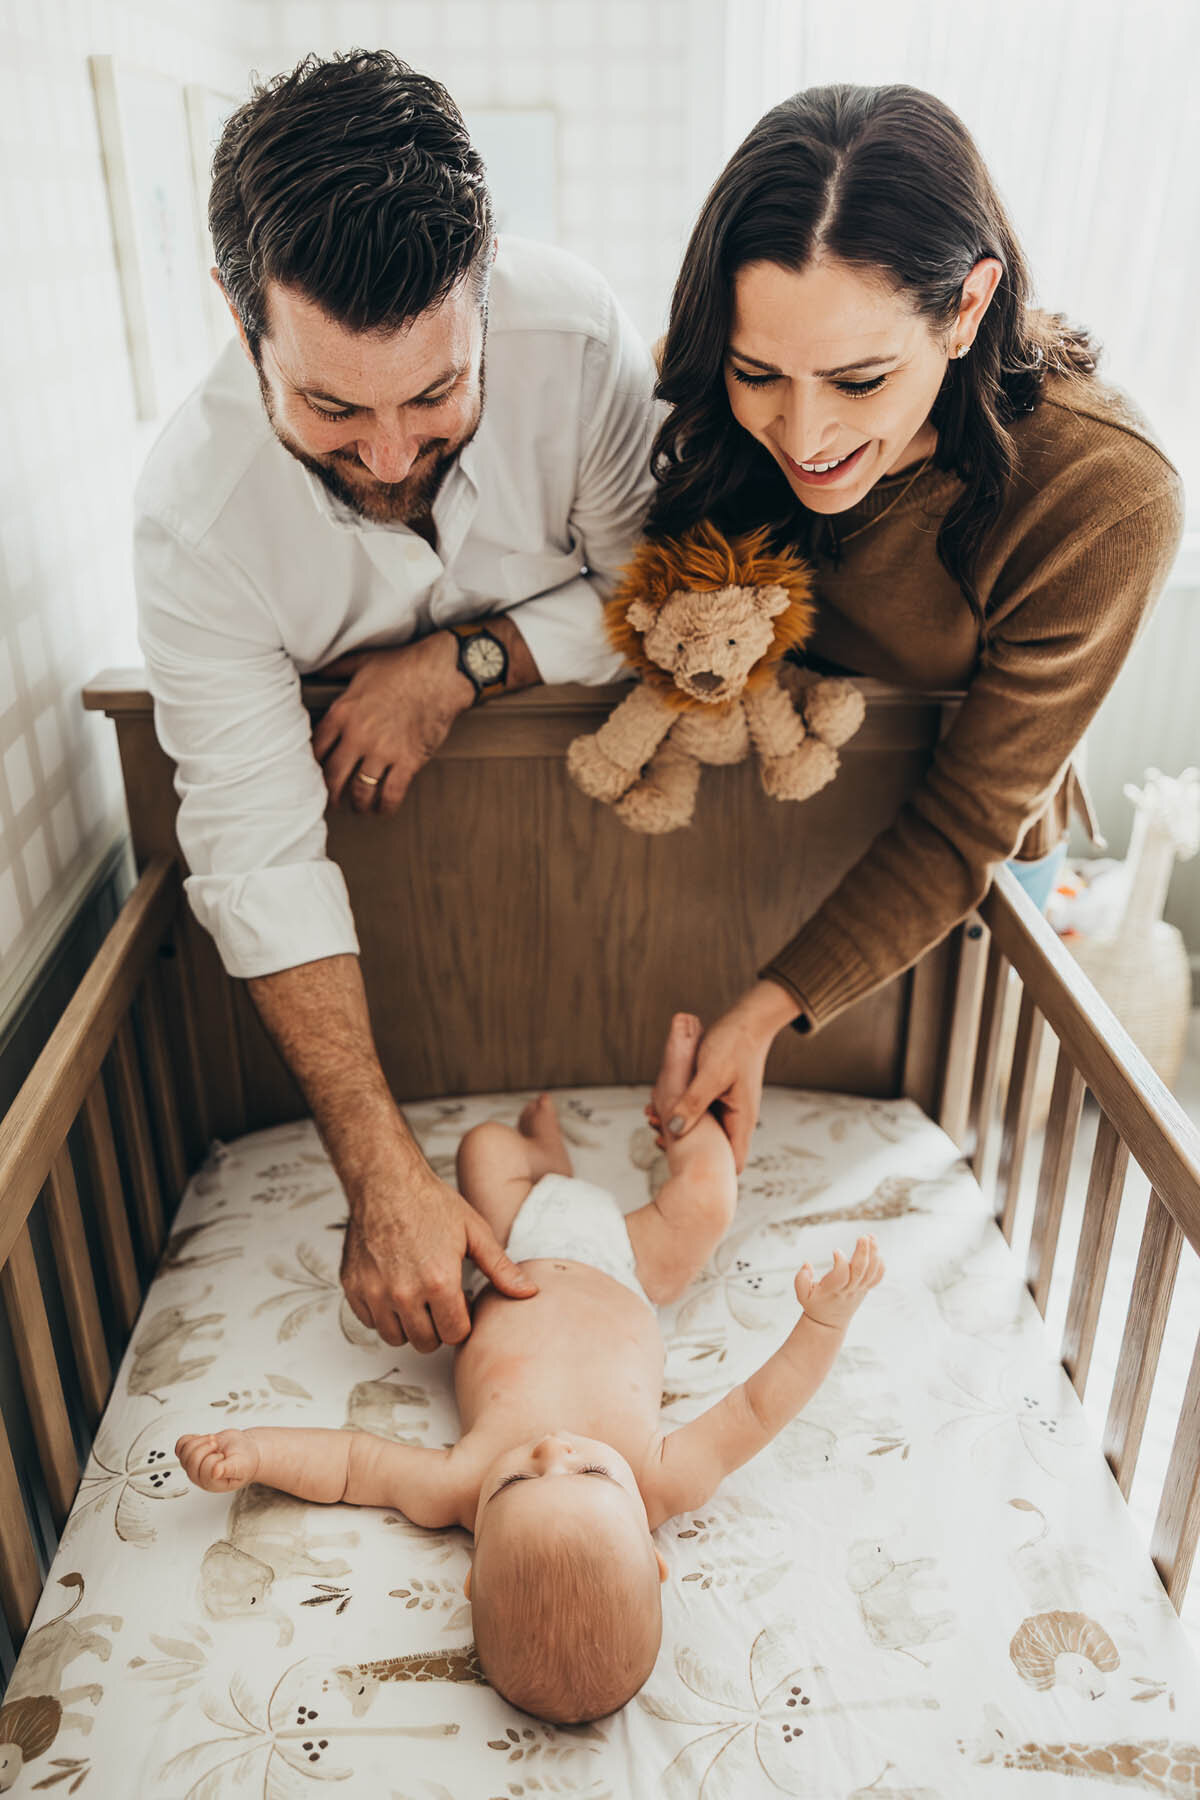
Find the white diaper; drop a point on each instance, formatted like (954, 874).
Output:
(576, 1221)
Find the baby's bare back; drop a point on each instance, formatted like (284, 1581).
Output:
(585, 1354)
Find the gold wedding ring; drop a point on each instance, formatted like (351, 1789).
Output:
(371, 780)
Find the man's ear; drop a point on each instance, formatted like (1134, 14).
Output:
(662, 1563)
(233, 312)
(467, 1584)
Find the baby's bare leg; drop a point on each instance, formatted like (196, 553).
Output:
(497, 1166)
(674, 1236)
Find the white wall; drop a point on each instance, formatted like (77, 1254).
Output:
(71, 444)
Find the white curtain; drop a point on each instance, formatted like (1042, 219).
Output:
(1086, 112)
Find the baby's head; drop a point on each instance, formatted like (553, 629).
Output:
(565, 1586)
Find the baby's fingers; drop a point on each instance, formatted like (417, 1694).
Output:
(861, 1260)
(838, 1276)
(804, 1284)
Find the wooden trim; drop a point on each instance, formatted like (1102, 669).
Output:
(162, 1085)
(987, 1057)
(1062, 1127)
(38, 1364)
(1162, 1139)
(1177, 1527)
(20, 1578)
(1106, 1184)
(139, 1149)
(1145, 1322)
(78, 1288)
(1018, 1111)
(962, 1038)
(37, 1123)
(110, 1208)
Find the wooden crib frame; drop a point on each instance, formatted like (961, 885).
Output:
(561, 974)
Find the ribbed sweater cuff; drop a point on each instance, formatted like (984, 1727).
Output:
(822, 971)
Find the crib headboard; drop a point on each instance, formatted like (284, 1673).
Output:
(514, 934)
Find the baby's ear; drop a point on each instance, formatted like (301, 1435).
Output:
(662, 1564)
(467, 1584)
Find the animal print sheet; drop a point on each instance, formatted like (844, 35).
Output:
(927, 1587)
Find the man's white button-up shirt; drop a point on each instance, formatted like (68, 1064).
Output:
(249, 575)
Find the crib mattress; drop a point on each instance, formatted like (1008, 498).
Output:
(927, 1587)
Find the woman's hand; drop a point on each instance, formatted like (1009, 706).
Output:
(729, 1066)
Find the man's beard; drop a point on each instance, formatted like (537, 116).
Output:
(380, 502)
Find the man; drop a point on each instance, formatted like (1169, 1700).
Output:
(338, 485)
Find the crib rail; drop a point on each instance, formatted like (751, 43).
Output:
(1140, 1121)
(109, 1078)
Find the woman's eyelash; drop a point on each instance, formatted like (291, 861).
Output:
(852, 389)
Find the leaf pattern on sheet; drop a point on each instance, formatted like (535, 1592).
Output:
(776, 1721)
(944, 1426)
(134, 1480)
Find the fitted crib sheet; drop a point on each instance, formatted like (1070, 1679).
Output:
(928, 1586)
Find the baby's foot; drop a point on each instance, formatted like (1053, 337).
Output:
(539, 1123)
(678, 1065)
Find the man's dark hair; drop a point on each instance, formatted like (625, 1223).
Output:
(353, 181)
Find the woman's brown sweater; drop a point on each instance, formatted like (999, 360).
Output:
(1067, 576)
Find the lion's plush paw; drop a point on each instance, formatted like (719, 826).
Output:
(648, 809)
(594, 773)
(801, 773)
(833, 710)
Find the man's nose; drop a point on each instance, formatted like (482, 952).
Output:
(388, 455)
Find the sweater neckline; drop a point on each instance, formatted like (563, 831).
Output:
(929, 485)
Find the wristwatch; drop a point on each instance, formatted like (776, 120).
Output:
(482, 659)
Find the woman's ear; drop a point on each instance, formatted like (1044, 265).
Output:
(977, 292)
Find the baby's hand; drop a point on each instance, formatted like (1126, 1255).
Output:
(836, 1298)
(219, 1461)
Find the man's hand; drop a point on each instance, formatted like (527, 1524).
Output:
(394, 715)
(729, 1067)
(402, 1261)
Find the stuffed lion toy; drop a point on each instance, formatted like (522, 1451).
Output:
(705, 621)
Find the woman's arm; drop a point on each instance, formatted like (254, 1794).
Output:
(1054, 649)
(327, 1466)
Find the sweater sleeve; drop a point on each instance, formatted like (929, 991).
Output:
(1075, 606)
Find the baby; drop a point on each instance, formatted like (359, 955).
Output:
(563, 1471)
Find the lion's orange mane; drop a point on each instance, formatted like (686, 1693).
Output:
(702, 561)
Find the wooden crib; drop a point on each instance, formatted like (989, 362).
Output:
(515, 936)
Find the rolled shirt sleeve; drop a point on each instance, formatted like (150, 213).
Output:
(228, 711)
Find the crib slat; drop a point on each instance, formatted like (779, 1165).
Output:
(78, 1288)
(162, 1088)
(20, 1581)
(961, 1036)
(1106, 1184)
(987, 1056)
(1153, 1285)
(110, 1207)
(1066, 1104)
(1018, 1110)
(146, 1197)
(39, 1375)
(1177, 1527)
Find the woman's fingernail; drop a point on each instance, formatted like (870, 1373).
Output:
(675, 1126)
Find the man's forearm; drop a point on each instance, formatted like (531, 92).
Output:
(317, 1016)
(522, 670)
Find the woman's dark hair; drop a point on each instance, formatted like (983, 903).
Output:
(353, 181)
(887, 180)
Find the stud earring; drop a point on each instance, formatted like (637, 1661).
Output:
(961, 351)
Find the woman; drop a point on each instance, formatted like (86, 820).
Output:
(853, 357)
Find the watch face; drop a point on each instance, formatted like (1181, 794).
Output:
(484, 658)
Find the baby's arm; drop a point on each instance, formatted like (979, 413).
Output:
(313, 1464)
(694, 1460)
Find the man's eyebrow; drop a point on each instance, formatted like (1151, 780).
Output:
(312, 393)
(865, 362)
(512, 1480)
